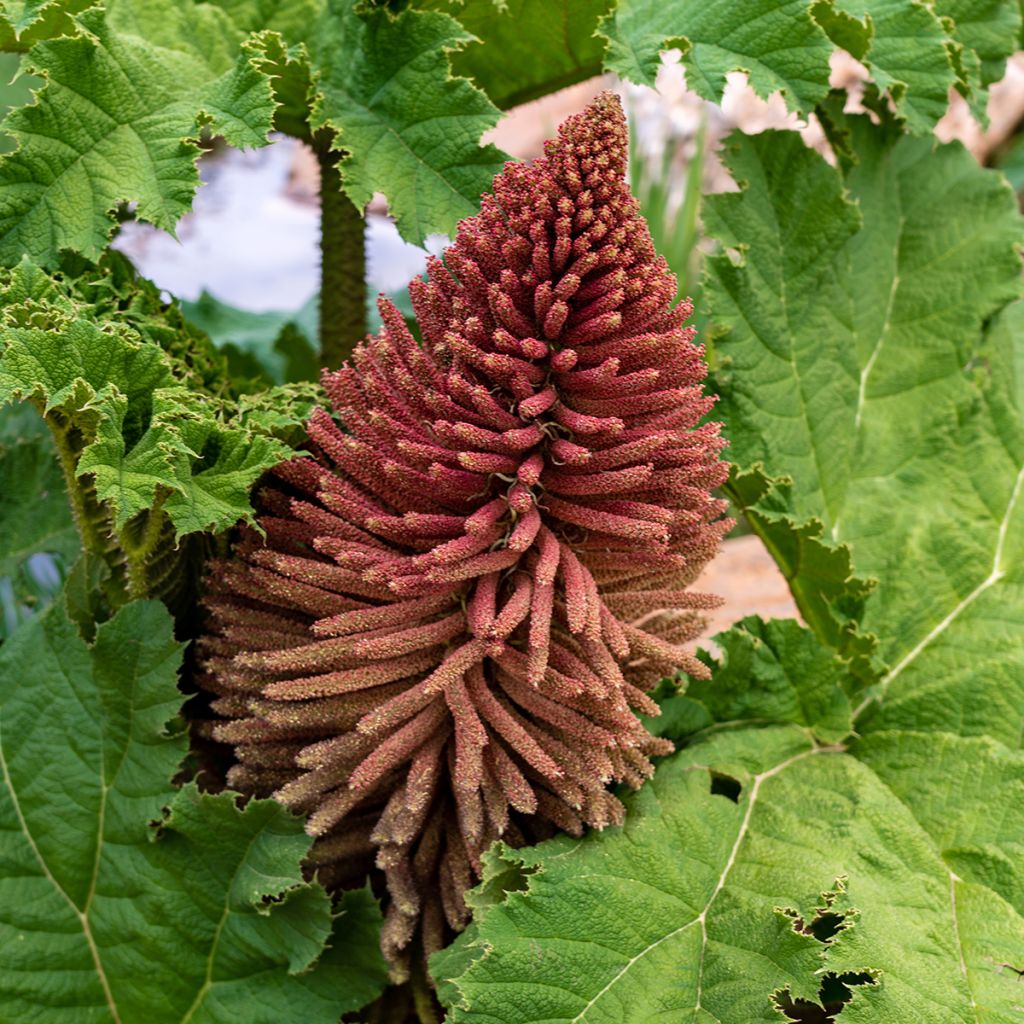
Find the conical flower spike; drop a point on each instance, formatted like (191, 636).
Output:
(448, 629)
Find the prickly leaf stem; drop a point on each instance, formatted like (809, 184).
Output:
(342, 265)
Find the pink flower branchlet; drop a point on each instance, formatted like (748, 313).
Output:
(448, 630)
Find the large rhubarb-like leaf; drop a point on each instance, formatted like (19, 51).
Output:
(24, 22)
(988, 29)
(853, 363)
(121, 901)
(756, 872)
(131, 87)
(907, 48)
(34, 513)
(408, 127)
(115, 120)
(526, 48)
(776, 42)
(778, 671)
(916, 52)
(968, 793)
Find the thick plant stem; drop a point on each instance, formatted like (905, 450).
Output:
(92, 519)
(140, 541)
(342, 266)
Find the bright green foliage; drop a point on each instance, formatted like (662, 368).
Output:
(702, 909)
(968, 793)
(103, 919)
(778, 671)
(14, 91)
(528, 48)
(201, 471)
(24, 22)
(128, 95)
(293, 20)
(114, 120)
(282, 411)
(147, 423)
(777, 43)
(853, 302)
(965, 670)
(142, 431)
(988, 31)
(131, 88)
(775, 671)
(410, 130)
(905, 47)
(913, 52)
(860, 313)
(819, 572)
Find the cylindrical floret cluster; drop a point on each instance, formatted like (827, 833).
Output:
(460, 600)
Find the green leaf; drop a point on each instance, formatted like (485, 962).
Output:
(116, 122)
(292, 19)
(25, 22)
(131, 416)
(777, 43)
(127, 97)
(408, 128)
(147, 440)
(528, 48)
(85, 593)
(819, 572)
(849, 319)
(201, 471)
(34, 513)
(852, 322)
(15, 90)
(778, 671)
(962, 668)
(283, 411)
(276, 345)
(906, 49)
(38, 539)
(207, 918)
(704, 909)
(989, 28)
(214, 470)
(73, 362)
(968, 794)
(1010, 160)
(915, 52)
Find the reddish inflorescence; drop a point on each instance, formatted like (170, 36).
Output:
(460, 601)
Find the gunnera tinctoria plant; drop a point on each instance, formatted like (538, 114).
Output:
(448, 629)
